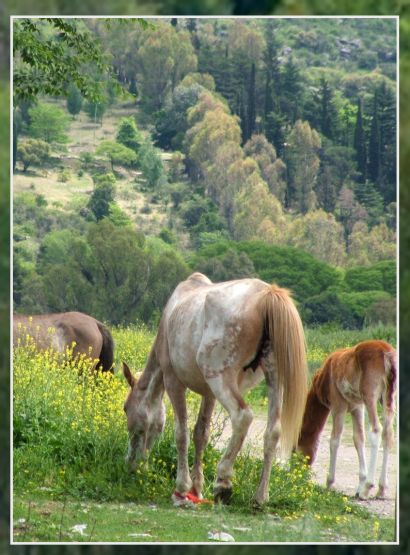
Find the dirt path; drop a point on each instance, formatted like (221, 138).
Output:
(347, 464)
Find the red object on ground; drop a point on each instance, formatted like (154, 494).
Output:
(191, 496)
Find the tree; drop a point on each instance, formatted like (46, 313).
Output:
(328, 112)
(49, 123)
(319, 234)
(42, 65)
(360, 143)
(165, 57)
(151, 164)
(74, 100)
(128, 134)
(272, 168)
(257, 212)
(374, 169)
(303, 162)
(33, 152)
(102, 196)
(116, 153)
(291, 87)
(96, 109)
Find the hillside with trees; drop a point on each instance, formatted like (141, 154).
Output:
(234, 147)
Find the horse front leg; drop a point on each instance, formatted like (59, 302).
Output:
(273, 428)
(225, 389)
(176, 393)
(338, 417)
(201, 436)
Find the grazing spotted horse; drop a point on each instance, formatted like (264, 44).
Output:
(61, 331)
(349, 380)
(220, 340)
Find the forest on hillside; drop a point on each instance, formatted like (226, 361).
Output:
(262, 147)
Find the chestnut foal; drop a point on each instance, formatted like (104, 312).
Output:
(349, 380)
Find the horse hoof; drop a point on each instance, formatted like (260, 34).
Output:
(223, 495)
(381, 494)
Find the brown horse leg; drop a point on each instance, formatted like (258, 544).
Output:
(359, 442)
(201, 436)
(387, 439)
(176, 392)
(273, 428)
(338, 417)
(374, 440)
(225, 389)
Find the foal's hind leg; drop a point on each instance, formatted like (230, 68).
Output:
(387, 439)
(374, 440)
(225, 389)
(201, 436)
(359, 442)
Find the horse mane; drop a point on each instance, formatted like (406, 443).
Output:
(287, 338)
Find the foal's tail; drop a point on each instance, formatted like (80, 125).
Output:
(316, 413)
(288, 345)
(107, 351)
(390, 366)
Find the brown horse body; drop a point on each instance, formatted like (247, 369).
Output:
(59, 331)
(220, 340)
(350, 380)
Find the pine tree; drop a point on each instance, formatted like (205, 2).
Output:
(360, 144)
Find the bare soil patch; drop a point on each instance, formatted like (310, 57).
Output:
(347, 469)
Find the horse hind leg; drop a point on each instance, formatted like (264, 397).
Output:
(359, 443)
(201, 436)
(225, 389)
(387, 440)
(273, 429)
(374, 440)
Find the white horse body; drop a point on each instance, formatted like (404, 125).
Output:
(214, 322)
(220, 339)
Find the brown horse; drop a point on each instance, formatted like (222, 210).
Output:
(59, 331)
(220, 340)
(349, 380)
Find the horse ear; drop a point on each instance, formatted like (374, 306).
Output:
(128, 374)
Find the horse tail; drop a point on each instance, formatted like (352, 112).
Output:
(316, 413)
(287, 340)
(390, 366)
(107, 351)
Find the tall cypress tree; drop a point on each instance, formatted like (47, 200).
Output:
(360, 143)
(386, 100)
(374, 168)
(326, 110)
(291, 83)
(251, 107)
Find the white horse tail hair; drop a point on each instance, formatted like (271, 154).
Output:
(287, 339)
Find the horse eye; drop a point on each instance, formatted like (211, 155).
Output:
(125, 408)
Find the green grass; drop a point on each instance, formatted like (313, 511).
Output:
(70, 440)
(37, 518)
